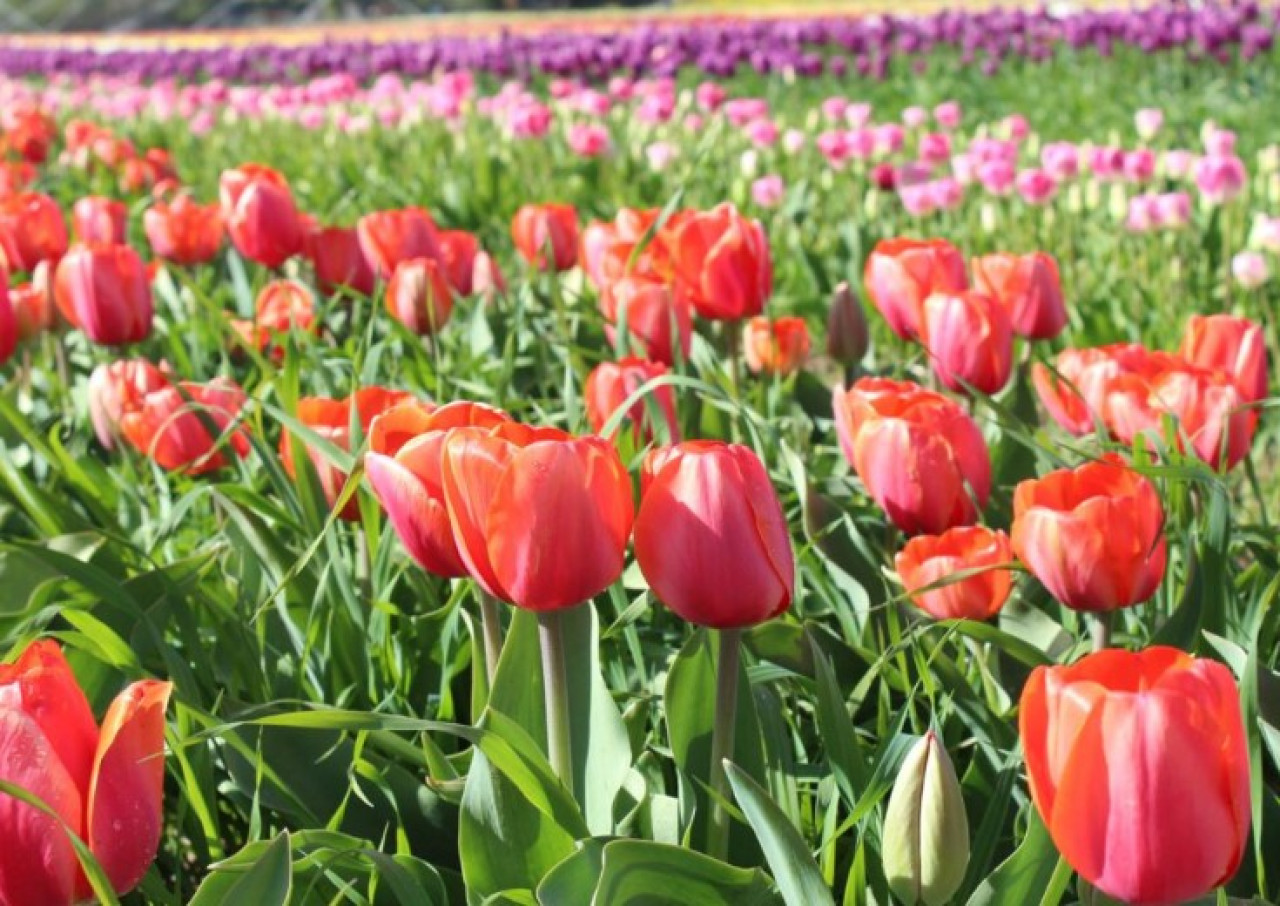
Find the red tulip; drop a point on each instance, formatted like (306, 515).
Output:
(168, 425)
(1080, 394)
(339, 260)
(183, 231)
(919, 454)
(722, 262)
(153, 170)
(404, 465)
(610, 384)
(1029, 289)
(458, 250)
(1139, 767)
(106, 786)
(927, 559)
(390, 237)
(282, 306)
(103, 290)
(97, 219)
(1231, 344)
(332, 419)
(15, 177)
(711, 538)
(541, 518)
(260, 214)
(486, 277)
(33, 306)
(970, 341)
(902, 273)
(8, 326)
(657, 319)
(1093, 535)
(777, 346)
(539, 228)
(116, 387)
(607, 249)
(28, 132)
(31, 230)
(419, 296)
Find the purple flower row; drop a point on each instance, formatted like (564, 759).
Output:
(807, 47)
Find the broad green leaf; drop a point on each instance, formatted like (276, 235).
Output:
(640, 873)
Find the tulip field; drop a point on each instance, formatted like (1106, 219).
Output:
(785, 460)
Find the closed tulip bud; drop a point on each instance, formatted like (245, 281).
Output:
(541, 518)
(183, 231)
(101, 220)
(1029, 289)
(902, 273)
(170, 425)
(1093, 535)
(778, 346)
(658, 320)
(31, 230)
(419, 296)
(919, 454)
(711, 538)
(722, 263)
(1230, 344)
(538, 229)
(970, 341)
(390, 237)
(848, 336)
(104, 785)
(928, 559)
(610, 384)
(339, 260)
(103, 290)
(260, 214)
(925, 840)
(1122, 748)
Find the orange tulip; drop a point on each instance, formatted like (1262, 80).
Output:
(168, 425)
(115, 387)
(282, 306)
(1093, 535)
(607, 248)
(1231, 344)
(778, 346)
(260, 214)
(183, 231)
(101, 220)
(927, 559)
(104, 291)
(1139, 767)
(105, 785)
(29, 132)
(390, 237)
(969, 339)
(1029, 289)
(539, 228)
(31, 230)
(541, 518)
(332, 420)
(404, 465)
(657, 319)
(610, 384)
(711, 537)
(1080, 394)
(419, 296)
(722, 263)
(15, 177)
(919, 454)
(902, 273)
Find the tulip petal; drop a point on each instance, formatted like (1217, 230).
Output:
(421, 521)
(471, 467)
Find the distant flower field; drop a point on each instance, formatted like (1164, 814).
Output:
(798, 458)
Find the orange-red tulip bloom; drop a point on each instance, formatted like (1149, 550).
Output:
(332, 420)
(339, 260)
(182, 231)
(168, 425)
(902, 273)
(282, 306)
(458, 250)
(106, 785)
(390, 237)
(404, 465)
(541, 518)
(260, 214)
(97, 219)
(722, 262)
(919, 454)
(1081, 392)
(1234, 345)
(31, 230)
(1029, 288)
(658, 320)
(711, 537)
(1093, 535)
(775, 346)
(115, 387)
(33, 307)
(927, 559)
(28, 132)
(419, 296)
(610, 384)
(1139, 767)
(104, 291)
(539, 228)
(970, 341)
(607, 248)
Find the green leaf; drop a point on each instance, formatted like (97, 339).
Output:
(1026, 875)
(565, 884)
(267, 881)
(641, 873)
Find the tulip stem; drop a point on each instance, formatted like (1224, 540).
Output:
(722, 738)
(733, 341)
(1100, 629)
(491, 629)
(556, 695)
